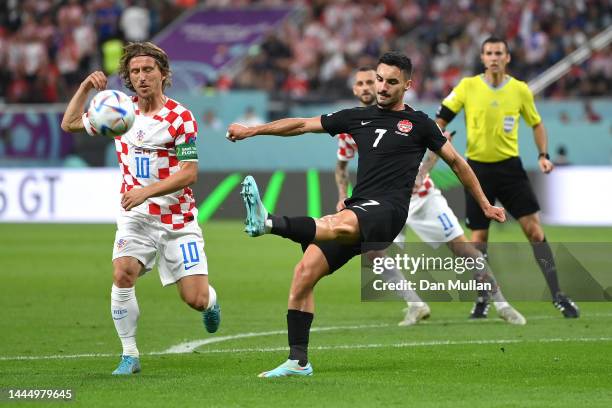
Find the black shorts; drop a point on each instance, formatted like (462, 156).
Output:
(380, 221)
(505, 181)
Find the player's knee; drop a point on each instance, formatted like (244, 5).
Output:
(122, 278)
(535, 234)
(304, 276)
(480, 237)
(197, 302)
(303, 272)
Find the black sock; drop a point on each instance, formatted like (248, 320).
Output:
(298, 229)
(298, 330)
(546, 262)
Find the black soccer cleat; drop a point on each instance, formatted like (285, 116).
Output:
(566, 306)
(480, 310)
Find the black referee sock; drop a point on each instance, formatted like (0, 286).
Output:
(544, 257)
(298, 330)
(298, 229)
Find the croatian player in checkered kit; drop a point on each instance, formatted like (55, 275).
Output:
(158, 161)
(429, 215)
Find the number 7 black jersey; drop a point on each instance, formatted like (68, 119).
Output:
(391, 145)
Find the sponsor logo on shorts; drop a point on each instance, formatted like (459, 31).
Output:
(188, 267)
(370, 202)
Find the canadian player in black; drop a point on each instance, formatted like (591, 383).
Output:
(391, 140)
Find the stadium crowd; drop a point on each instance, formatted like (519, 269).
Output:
(47, 46)
(317, 55)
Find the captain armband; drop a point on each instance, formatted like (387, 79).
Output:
(187, 151)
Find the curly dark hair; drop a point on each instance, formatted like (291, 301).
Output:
(148, 49)
(397, 59)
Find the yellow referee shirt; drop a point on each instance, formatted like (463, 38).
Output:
(492, 115)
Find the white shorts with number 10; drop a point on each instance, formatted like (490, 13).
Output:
(432, 219)
(180, 252)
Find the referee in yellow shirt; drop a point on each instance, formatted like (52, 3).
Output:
(493, 102)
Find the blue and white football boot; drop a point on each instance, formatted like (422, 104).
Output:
(256, 212)
(288, 368)
(212, 318)
(127, 366)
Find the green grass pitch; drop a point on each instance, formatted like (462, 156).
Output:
(56, 332)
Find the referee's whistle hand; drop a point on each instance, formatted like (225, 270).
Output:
(495, 213)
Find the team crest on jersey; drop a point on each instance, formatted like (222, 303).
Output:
(121, 244)
(404, 126)
(140, 135)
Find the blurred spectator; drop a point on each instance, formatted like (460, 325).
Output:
(135, 21)
(249, 118)
(111, 55)
(561, 157)
(589, 113)
(107, 14)
(211, 121)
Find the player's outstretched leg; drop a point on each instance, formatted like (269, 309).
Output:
(128, 365)
(256, 212)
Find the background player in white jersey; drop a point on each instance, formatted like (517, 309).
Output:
(158, 161)
(429, 215)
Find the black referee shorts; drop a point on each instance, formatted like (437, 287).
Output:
(505, 181)
(379, 223)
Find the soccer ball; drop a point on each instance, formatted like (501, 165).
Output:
(111, 113)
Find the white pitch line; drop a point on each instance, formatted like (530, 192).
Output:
(416, 344)
(188, 347)
(345, 347)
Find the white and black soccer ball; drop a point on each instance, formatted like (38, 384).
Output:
(111, 113)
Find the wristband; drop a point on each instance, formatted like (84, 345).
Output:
(545, 155)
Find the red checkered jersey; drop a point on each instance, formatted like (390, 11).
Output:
(147, 153)
(347, 149)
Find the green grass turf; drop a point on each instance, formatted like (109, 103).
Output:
(55, 302)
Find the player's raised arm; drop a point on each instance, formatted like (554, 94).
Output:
(465, 173)
(282, 127)
(72, 120)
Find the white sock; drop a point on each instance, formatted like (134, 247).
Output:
(212, 297)
(500, 305)
(392, 275)
(125, 312)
